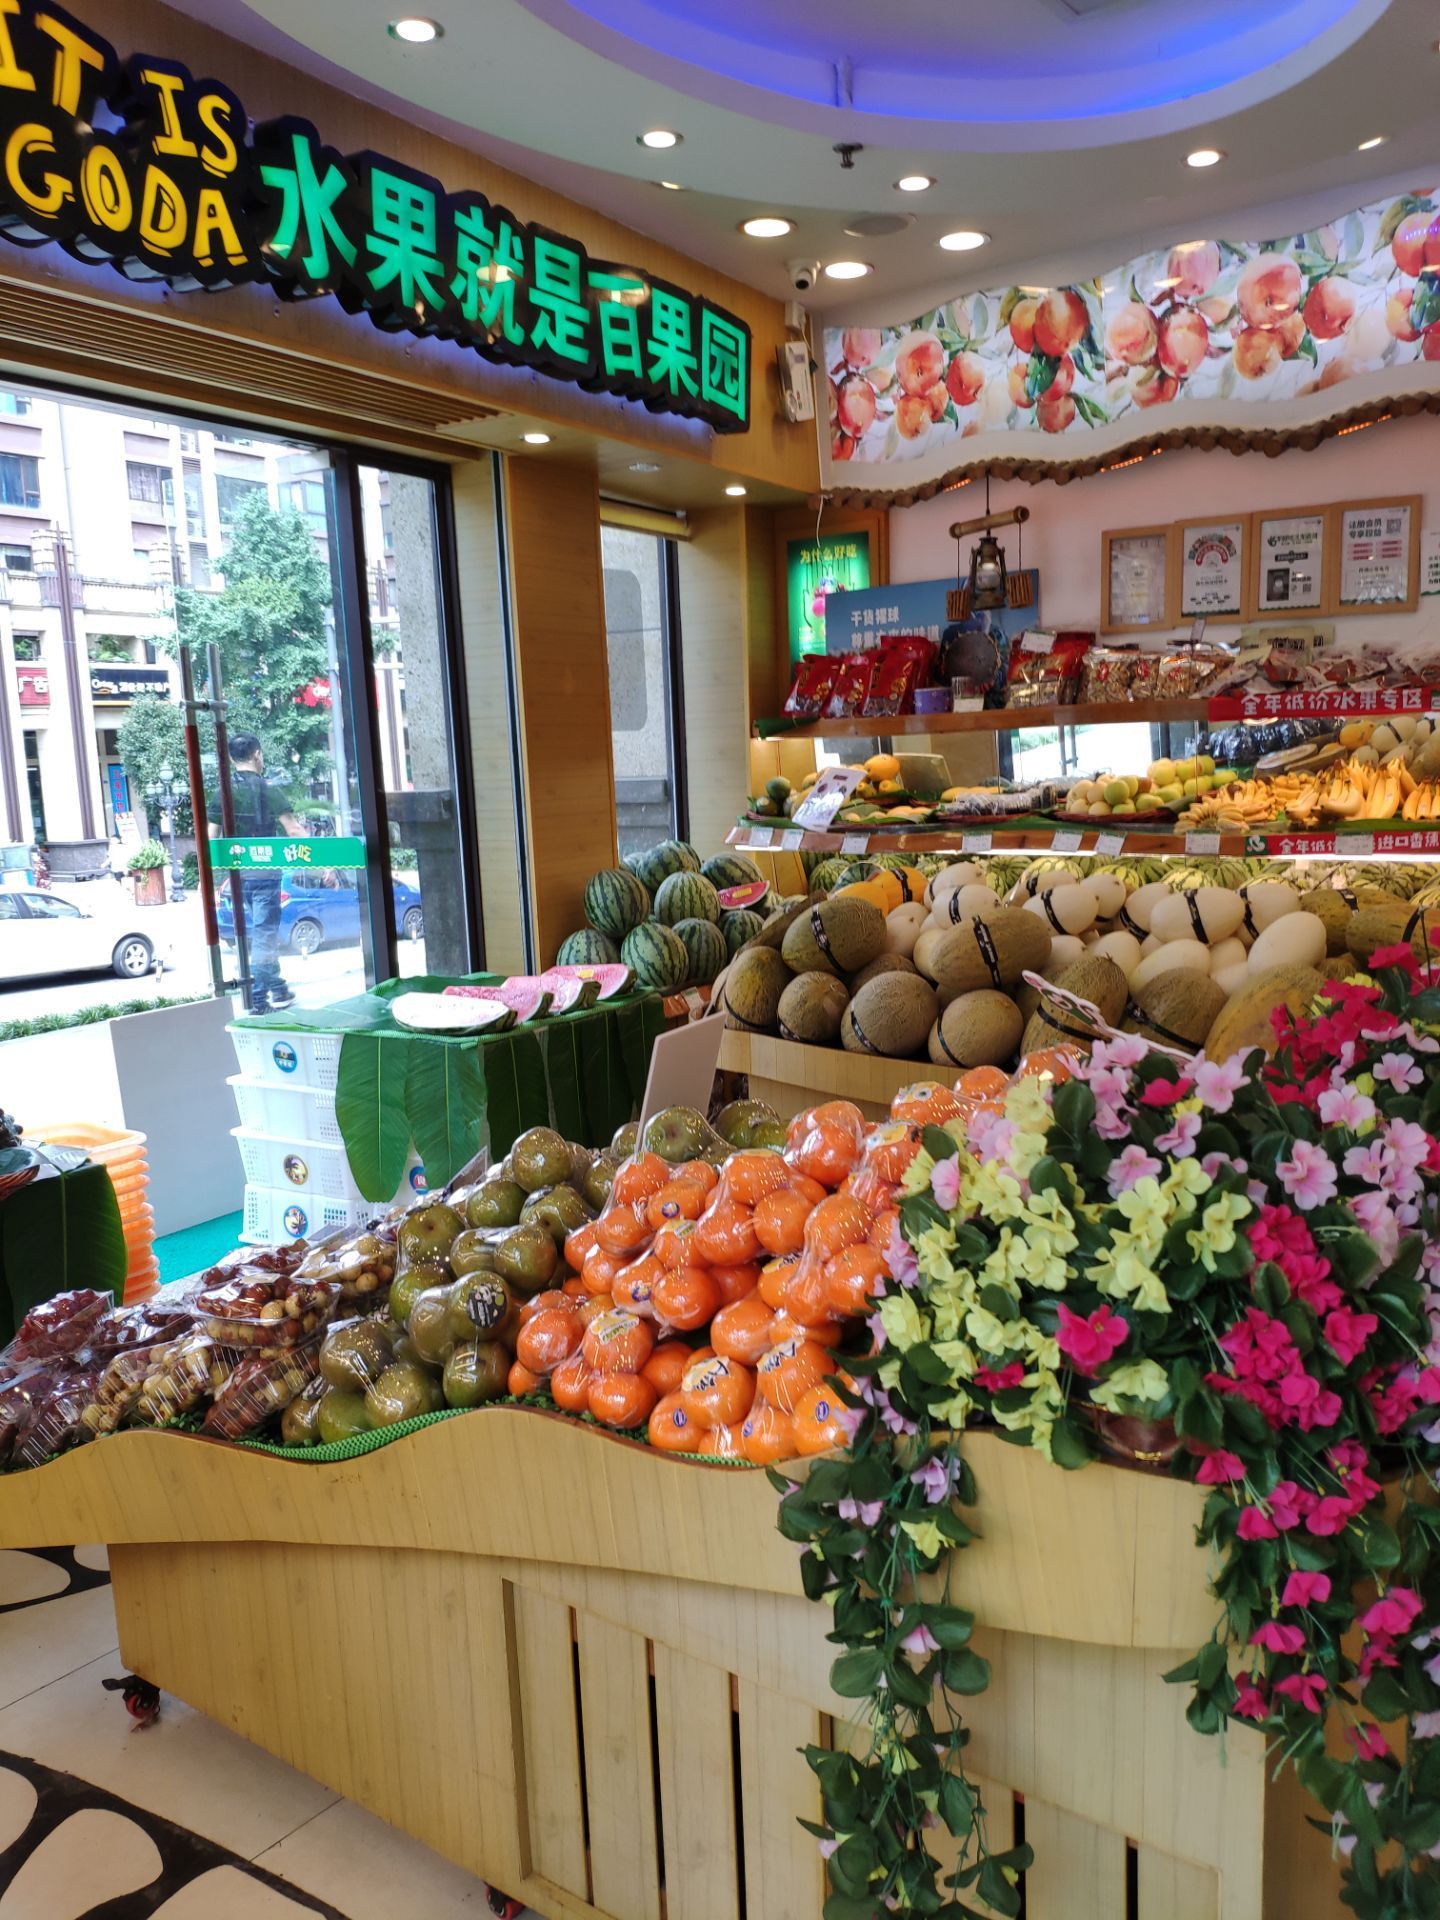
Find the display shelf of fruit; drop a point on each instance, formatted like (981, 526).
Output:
(985, 720)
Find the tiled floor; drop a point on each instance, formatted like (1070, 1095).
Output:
(104, 1819)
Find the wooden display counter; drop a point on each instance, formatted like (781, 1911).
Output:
(790, 1077)
(582, 1670)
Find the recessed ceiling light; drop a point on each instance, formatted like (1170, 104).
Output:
(963, 241)
(1204, 157)
(767, 226)
(644, 466)
(536, 439)
(416, 31)
(671, 186)
(847, 270)
(736, 492)
(1375, 140)
(915, 182)
(659, 137)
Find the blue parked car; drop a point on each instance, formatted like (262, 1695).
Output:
(320, 909)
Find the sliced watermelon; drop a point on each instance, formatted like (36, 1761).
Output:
(612, 981)
(742, 899)
(526, 997)
(569, 993)
(445, 1013)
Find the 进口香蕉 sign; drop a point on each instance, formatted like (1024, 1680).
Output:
(139, 165)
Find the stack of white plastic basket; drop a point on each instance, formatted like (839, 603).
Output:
(298, 1183)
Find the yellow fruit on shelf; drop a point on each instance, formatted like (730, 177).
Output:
(882, 766)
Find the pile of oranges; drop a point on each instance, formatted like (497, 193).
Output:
(707, 1307)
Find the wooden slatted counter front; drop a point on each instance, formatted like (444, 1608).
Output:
(583, 1670)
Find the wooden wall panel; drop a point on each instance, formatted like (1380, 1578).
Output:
(561, 664)
(714, 599)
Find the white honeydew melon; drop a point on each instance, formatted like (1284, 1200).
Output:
(1123, 948)
(923, 949)
(1029, 884)
(972, 902)
(903, 927)
(1065, 909)
(1150, 944)
(964, 873)
(1266, 901)
(1109, 893)
(1226, 953)
(1194, 955)
(1232, 979)
(1142, 903)
(1064, 949)
(1296, 939)
(1209, 914)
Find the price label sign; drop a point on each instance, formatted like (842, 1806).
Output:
(1202, 843)
(976, 842)
(1109, 843)
(855, 843)
(1065, 843)
(825, 799)
(793, 840)
(1356, 843)
(762, 836)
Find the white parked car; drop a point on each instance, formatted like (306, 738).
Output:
(42, 934)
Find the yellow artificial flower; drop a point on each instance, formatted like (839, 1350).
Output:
(904, 1325)
(1140, 1380)
(992, 1336)
(953, 1412)
(917, 1175)
(957, 1356)
(1216, 1233)
(926, 1535)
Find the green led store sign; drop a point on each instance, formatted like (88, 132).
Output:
(140, 166)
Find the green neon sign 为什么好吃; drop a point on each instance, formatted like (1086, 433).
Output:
(180, 193)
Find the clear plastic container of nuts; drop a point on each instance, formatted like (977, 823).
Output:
(181, 1375)
(261, 1387)
(360, 1262)
(256, 1308)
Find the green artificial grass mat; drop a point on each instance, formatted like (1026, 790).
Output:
(193, 1249)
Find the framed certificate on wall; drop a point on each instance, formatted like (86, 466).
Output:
(1137, 579)
(1214, 556)
(1290, 574)
(1376, 568)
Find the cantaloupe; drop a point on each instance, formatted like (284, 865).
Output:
(1244, 1022)
(1330, 907)
(882, 963)
(754, 982)
(1294, 940)
(811, 1008)
(839, 935)
(980, 1029)
(1177, 1009)
(1390, 926)
(984, 953)
(1101, 983)
(892, 1016)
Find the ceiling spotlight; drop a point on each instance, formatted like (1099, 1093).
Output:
(417, 32)
(1375, 140)
(964, 241)
(736, 492)
(659, 137)
(915, 182)
(767, 226)
(536, 439)
(847, 270)
(644, 466)
(1204, 157)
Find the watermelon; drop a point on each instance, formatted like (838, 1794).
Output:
(827, 874)
(740, 927)
(526, 997)
(588, 948)
(448, 1013)
(686, 896)
(655, 866)
(741, 899)
(615, 901)
(568, 992)
(610, 980)
(657, 956)
(728, 869)
(706, 947)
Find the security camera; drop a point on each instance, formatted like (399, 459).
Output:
(803, 274)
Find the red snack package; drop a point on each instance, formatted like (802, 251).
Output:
(812, 686)
(852, 686)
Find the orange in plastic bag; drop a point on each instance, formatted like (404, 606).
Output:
(548, 1338)
(742, 1331)
(681, 1200)
(925, 1103)
(638, 1179)
(622, 1399)
(675, 1244)
(780, 1220)
(544, 1303)
(618, 1342)
(806, 1298)
(774, 1277)
(767, 1436)
(884, 1225)
(717, 1392)
(819, 1421)
(570, 1384)
(828, 1333)
(686, 1297)
(787, 1373)
(889, 1150)
(698, 1173)
(671, 1428)
(1048, 1063)
(578, 1243)
(842, 1221)
(749, 1177)
(601, 1269)
(735, 1283)
(852, 1276)
(634, 1287)
(520, 1381)
(624, 1229)
(665, 1368)
(721, 1443)
(826, 1142)
(726, 1235)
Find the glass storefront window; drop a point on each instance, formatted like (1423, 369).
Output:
(638, 634)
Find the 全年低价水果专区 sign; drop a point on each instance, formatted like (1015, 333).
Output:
(139, 165)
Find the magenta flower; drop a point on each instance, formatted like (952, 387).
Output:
(1306, 1590)
(1133, 1165)
(997, 1379)
(1218, 1081)
(1276, 1637)
(936, 1478)
(1397, 1070)
(1289, 1503)
(1255, 1524)
(1368, 1741)
(1393, 1614)
(1308, 1176)
(1164, 1093)
(1250, 1702)
(1089, 1342)
(1217, 1469)
(1308, 1688)
(1330, 1516)
(945, 1183)
(1346, 1333)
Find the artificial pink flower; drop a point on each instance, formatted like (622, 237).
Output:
(1218, 1081)
(1217, 1469)
(1425, 1726)
(920, 1640)
(1179, 1140)
(1250, 1702)
(1346, 1333)
(1395, 1613)
(1308, 1688)
(867, 1512)
(1329, 1516)
(1289, 1503)
(1397, 1070)
(900, 1257)
(1306, 1589)
(1132, 1165)
(1368, 1741)
(996, 1380)
(1308, 1176)
(936, 1478)
(1345, 1106)
(1254, 1524)
(1277, 1637)
(945, 1183)
(1089, 1342)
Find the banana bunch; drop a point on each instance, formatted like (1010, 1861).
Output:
(1242, 804)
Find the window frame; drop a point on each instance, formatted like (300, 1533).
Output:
(24, 462)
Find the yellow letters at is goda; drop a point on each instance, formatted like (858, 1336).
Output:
(138, 165)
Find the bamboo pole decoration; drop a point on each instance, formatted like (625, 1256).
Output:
(987, 522)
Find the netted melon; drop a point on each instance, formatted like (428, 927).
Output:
(891, 1016)
(754, 982)
(984, 953)
(1330, 907)
(839, 935)
(883, 963)
(1391, 925)
(811, 1008)
(1097, 980)
(1245, 1021)
(1176, 1009)
(980, 1029)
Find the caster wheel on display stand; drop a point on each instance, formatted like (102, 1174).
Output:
(142, 1700)
(502, 1905)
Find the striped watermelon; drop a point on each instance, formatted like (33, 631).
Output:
(615, 901)
(653, 867)
(656, 955)
(706, 947)
(730, 870)
(588, 948)
(739, 927)
(828, 874)
(686, 896)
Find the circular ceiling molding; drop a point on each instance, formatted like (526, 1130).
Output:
(1054, 73)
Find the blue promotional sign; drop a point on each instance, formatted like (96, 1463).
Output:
(865, 617)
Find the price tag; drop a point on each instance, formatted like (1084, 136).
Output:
(1065, 843)
(825, 799)
(1354, 843)
(1202, 843)
(694, 1002)
(793, 840)
(963, 703)
(1109, 843)
(976, 842)
(762, 836)
(855, 843)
